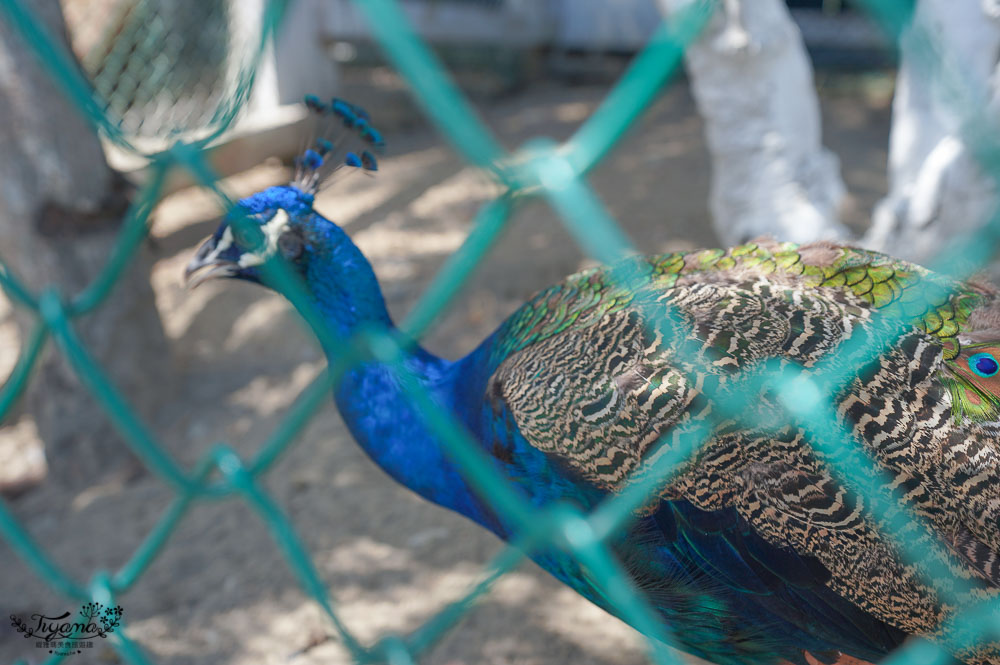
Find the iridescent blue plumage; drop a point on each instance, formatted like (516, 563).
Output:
(731, 591)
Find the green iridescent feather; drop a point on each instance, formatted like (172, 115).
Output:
(937, 305)
(587, 377)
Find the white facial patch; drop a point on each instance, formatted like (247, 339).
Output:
(272, 231)
(225, 242)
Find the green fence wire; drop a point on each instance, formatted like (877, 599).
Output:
(542, 168)
(160, 67)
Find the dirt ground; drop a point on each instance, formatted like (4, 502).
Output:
(220, 591)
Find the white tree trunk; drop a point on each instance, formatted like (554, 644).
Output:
(936, 189)
(753, 84)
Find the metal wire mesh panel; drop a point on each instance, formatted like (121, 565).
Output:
(555, 172)
(161, 65)
(161, 68)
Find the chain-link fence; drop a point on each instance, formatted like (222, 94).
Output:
(554, 172)
(162, 65)
(160, 68)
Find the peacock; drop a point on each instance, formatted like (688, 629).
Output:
(754, 550)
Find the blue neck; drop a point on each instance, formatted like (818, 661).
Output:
(344, 286)
(392, 432)
(373, 404)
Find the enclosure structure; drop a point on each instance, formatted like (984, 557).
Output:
(555, 173)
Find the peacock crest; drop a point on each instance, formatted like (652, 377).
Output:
(343, 141)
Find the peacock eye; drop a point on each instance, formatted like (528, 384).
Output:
(984, 364)
(290, 245)
(244, 237)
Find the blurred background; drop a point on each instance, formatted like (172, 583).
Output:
(224, 362)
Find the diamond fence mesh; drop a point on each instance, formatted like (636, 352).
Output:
(542, 168)
(160, 66)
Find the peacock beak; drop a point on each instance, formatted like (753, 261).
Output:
(208, 263)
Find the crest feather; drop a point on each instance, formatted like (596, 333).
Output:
(344, 141)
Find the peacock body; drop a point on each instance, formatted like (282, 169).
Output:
(754, 550)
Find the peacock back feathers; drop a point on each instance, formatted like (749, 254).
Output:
(591, 375)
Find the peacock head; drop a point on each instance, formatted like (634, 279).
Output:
(333, 268)
(290, 227)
